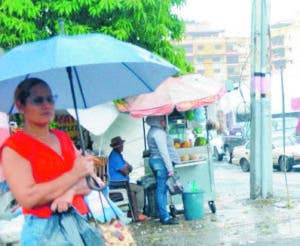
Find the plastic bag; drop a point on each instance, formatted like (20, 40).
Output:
(70, 228)
(174, 186)
(114, 229)
(107, 207)
(199, 115)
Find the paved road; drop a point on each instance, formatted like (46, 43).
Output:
(230, 177)
(239, 220)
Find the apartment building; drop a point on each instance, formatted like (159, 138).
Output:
(214, 55)
(285, 47)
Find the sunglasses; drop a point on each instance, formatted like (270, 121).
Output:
(39, 100)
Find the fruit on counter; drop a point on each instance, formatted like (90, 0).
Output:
(177, 145)
(190, 115)
(185, 157)
(198, 130)
(194, 156)
(200, 141)
(185, 144)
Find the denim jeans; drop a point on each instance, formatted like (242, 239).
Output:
(161, 174)
(33, 229)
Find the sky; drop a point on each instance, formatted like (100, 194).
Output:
(235, 15)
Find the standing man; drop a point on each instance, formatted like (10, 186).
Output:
(119, 170)
(162, 157)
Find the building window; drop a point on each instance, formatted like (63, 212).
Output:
(279, 52)
(216, 58)
(200, 59)
(218, 46)
(200, 47)
(217, 70)
(232, 59)
(279, 64)
(230, 71)
(277, 40)
(189, 59)
(188, 48)
(229, 47)
(201, 71)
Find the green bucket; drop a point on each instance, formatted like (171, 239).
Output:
(193, 205)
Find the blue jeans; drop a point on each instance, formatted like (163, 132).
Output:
(33, 230)
(161, 174)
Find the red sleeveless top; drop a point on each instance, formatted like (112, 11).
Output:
(46, 164)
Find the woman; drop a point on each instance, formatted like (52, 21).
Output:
(42, 168)
(162, 157)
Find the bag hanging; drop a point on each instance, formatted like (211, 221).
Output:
(70, 229)
(114, 231)
(174, 186)
(96, 209)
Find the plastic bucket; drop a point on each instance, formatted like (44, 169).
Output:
(193, 205)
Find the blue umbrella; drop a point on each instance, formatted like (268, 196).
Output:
(103, 68)
(83, 70)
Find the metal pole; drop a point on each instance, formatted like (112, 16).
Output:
(283, 110)
(260, 144)
(81, 140)
(285, 160)
(144, 134)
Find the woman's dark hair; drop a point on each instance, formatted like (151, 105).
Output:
(22, 91)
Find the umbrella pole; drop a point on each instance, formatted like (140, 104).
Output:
(69, 71)
(144, 133)
(89, 179)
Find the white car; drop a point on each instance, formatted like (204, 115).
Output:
(241, 154)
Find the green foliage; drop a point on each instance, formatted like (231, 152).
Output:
(147, 23)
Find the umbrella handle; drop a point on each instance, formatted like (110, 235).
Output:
(92, 183)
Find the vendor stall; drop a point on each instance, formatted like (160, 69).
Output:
(195, 169)
(178, 99)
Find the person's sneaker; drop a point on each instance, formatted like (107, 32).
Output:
(170, 221)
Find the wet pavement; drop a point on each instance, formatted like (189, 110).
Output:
(238, 220)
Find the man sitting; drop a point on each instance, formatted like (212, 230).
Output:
(119, 169)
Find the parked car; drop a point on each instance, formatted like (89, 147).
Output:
(241, 154)
(237, 136)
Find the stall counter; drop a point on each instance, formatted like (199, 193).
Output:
(199, 170)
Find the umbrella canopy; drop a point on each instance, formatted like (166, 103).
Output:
(103, 68)
(185, 92)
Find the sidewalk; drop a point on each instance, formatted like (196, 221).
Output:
(238, 220)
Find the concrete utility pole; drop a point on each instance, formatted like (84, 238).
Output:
(261, 169)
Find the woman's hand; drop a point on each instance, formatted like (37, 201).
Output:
(83, 165)
(62, 203)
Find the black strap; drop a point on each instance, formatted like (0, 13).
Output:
(96, 187)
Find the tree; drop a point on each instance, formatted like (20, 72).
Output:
(146, 23)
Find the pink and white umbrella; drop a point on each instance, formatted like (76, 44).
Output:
(185, 93)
